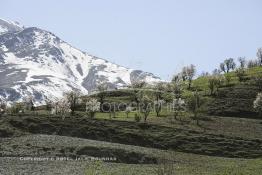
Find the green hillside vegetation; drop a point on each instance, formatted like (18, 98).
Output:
(204, 125)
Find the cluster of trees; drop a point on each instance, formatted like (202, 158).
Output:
(18, 107)
(216, 79)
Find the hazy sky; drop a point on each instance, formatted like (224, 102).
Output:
(159, 36)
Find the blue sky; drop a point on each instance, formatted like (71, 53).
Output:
(158, 36)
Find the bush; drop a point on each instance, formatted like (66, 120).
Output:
(241, 74)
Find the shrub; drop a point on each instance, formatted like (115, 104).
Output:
(240, 73)
(214, 82)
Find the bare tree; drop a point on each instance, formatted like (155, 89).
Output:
(252, 63)
(188, 73)
(259, 56)
(73, 98)
(216, 72)
(176, 86)
(195, 105)
(229, 64)
(223, 67)
(242, 61)
(184, 73)
(102, 88)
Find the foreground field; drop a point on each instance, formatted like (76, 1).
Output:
(13, 149)
(218, 146)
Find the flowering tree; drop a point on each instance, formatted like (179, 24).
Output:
(61, 107)
(258, 103)
(64, 108)
(92, 106)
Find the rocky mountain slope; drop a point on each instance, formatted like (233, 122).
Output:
(36, 62)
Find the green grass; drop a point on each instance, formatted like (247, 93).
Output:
(184, 163)
(202, 82)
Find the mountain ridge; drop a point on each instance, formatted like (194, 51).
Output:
(36, 62)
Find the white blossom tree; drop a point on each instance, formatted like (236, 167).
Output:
(92, 106)
(61, 107)
(258, 103)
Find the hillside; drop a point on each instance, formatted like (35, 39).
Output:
(235, 98)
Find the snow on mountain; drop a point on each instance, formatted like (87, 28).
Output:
(9, 26)
(36, 62)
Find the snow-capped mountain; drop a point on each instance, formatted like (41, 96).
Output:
(35, 62)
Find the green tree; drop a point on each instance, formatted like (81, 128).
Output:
(145, 106)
